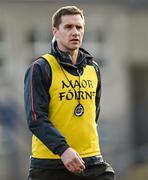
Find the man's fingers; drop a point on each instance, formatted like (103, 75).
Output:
(80, 158)
(70, 167)
(76, 165)
(72, 161)
(79, 163)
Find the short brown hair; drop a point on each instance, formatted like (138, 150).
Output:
(66, 10)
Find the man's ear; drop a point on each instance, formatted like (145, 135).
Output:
(54, 31)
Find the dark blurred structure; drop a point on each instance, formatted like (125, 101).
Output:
(8, 144)
(139, 85)
(117, 35)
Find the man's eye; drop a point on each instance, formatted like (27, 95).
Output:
(69, 26)
(79, 27)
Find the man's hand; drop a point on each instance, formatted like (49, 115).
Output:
(72, 161)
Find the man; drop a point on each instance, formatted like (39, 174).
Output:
(62, 96)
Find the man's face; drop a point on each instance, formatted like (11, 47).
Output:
(70, 33)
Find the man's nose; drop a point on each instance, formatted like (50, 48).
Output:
(75, 31)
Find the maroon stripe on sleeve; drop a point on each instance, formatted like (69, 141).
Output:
(32, 98)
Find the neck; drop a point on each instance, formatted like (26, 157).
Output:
(74, 55)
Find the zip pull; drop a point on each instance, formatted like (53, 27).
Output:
(79, 72)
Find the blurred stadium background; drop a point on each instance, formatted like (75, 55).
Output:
(117, 34)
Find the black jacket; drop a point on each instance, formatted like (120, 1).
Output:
(37, 82)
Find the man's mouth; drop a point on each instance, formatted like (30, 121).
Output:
(74, 40)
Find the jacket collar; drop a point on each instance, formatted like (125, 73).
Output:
(64, 58)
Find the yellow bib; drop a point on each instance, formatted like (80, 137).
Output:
(80, 132)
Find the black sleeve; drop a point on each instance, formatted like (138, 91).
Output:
(98, 91)
(36, 99)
